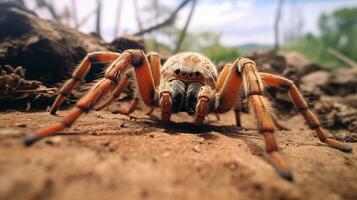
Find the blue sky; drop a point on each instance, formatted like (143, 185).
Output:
(238, 21)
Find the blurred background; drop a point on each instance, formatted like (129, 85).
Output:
(221, 29)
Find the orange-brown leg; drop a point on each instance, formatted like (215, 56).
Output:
(172, 98)
(220, 82)
(223, 76)
(254, 89)
(80, 73)
(228, 87)
(206, 100)
(278, 124)
(237, 107)
(132, 107)
(244, 71)
(303, 108)
(135, 58)
(116, 92)
(155, 64)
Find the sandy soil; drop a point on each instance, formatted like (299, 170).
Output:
(106, 156)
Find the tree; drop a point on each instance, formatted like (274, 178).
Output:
(339, 30)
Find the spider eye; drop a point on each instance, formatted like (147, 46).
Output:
(197, 74)
(190, 74)
(177, 71)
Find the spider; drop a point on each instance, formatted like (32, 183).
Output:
(187, 82)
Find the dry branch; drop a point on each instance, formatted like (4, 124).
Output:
(169, 21)
(137, 15)
(183, 33)
(342, 57)
(276, 24)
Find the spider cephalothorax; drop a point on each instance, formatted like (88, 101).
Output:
(187, 82)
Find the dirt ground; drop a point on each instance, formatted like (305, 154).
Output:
(107, 156)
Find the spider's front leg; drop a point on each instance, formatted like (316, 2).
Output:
(134, 58)
(79, 74)
(155, 65)
(303, 108)
(243, 75)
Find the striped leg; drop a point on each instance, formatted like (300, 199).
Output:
(237, 110)
(302, 107)
(132, 107)
(155, 64)
(134, 58)
(116, 93)
(206, 100)
(80, 73)
(254, 88)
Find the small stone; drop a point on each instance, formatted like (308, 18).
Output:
(54, 140)
(197, 149)
(122, 125)
(151, 135)
(167, 154)
(22, 125)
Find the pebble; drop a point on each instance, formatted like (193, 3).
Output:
(197, 149)
(22, 125)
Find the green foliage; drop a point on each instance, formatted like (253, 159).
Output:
(338, 30)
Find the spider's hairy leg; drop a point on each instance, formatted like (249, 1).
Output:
(134, 58)
(132, 107)
(172, 96)
(237, 110)
(79, 74)
(155, 65)
(228, 86)
(220, 82)
(223, 75)
(116, 92)
(254, 90)
(206, 101)
(303, 108)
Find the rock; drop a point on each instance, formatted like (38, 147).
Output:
(350, 100)
(300, 63)
(336, 115)
(197, 149)
(342, 82)
(16, 91)
(48, 50)
(313, 81)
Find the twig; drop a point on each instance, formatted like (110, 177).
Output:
(86, 18)
(52, 10)
(99, 16)
(183, 33)
(342, 57)
(137, 15)
(74, 12)
(117, 19)
(276, 24)
(169, 21)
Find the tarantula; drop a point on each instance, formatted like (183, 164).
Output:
(187, 82)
